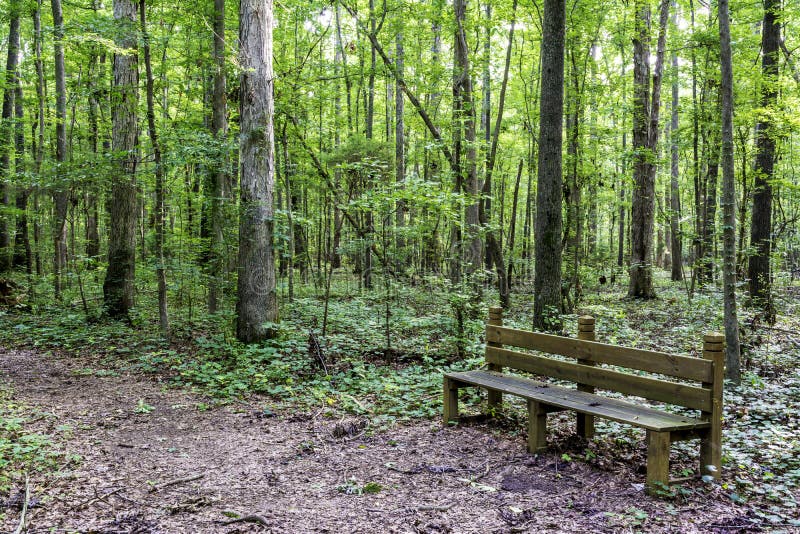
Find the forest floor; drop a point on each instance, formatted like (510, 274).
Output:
(140, 457)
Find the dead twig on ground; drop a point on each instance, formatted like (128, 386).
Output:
(184, 480)
(97, 498)
(435, 508)
(250, 518)
(24, 505)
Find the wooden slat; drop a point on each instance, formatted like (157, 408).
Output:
(696, 369)
(651, 388)
(579, 401)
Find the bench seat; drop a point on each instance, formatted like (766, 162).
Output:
(562, 398)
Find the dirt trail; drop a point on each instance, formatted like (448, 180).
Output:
(177, 469)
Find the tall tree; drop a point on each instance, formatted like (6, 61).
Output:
(758, 270)
(219, 175)
(676, 244)
(161, 276)
(645, 141)
(6, 132)
(118, 287)
(547, 280)
(399, 133)
(61, 191)
(493, 244)
(732, 367)
(464, 145)
(257, 304)
(22, 244)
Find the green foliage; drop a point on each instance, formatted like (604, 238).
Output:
(21, 451)
(353, 487)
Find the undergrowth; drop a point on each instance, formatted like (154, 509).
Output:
(21, 451)
(359, 369)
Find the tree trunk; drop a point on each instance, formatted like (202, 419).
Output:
(257, 305)
(676, 241)
(61, 191)
(758, 270)
(706, 274)
(645, 141)
(6, 133)
(219, 175)
(732, 349)
(118, 288)
(399, 144)
(159, 209)
(512, 225)
(493, 244)
(22, 242)
(547, 281)
(465, 153)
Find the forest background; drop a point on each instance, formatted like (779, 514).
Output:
(156, 210)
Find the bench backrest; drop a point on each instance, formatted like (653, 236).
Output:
(706, 373)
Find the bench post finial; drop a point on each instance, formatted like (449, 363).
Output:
(711, 444)
(586, 333)
(494, 398)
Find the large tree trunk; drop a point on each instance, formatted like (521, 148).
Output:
(257, 305)
(465, 152)
(645, 141)
(118, 288)
(758, 270)
(161, 276)
(6, 133)
(219, 175)
(732, 367)
(39, 143)
(547, 281)
(61, 191)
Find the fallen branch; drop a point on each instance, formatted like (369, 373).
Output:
(24, 506)
(251, 518)
(97, 498)
(184, 480)
(433, 508)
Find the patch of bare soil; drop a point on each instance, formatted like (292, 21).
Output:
(177, 469)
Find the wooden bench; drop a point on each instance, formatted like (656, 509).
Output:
(663, 428)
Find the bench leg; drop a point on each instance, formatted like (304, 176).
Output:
(657, 460)
(586, 425)
(711, 454)
(450, 400)
(537, 427)
(495, 400)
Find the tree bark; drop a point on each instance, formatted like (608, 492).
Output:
(706, 269)
(493, 244)
(159, 209)
(257, 305)
(547, 281)
(758, 270)
(645, 141)
(60, 191)
(732, 349)
(219, 175)
(6, 133)
(676, 241)
(400, 140)
(464, 152)
(118, 288)
(22, 243)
